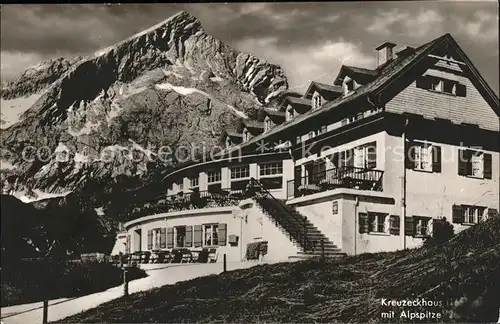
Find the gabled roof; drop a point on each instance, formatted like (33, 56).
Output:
(375, 91)
(326, 90)
(252, 124)
(361, 75)
(386, 84)
(276, 116)
(299, 104)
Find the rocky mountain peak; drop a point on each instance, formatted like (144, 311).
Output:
(171, 84)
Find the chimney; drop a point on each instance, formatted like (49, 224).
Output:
(385, 52)
(404, 51)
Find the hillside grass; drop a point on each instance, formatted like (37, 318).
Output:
(463, 274)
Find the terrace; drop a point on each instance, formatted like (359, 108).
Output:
(191, 200)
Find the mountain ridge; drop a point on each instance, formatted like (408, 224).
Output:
(171, 84)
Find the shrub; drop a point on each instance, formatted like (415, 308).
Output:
(442, 231)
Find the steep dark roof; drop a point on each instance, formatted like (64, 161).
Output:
(377, 91)
(387, 75)
(329, 91)
(302, 105)
(361, 75)
(253, 124)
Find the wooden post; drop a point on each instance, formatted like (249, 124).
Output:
(225, 263)
(45, 311)
(125, 282)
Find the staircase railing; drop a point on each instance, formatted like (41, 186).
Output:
(293, 223)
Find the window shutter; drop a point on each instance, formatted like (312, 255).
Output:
(410, 156)
(463, 162)
(197, 236)
(127, 246)
(163, 238)
(487, 168)
(335, 159)
(436, 158)
(409, 227)
(170, 237)
(423, 82)
(371, 152)
(394, 221)
(461, 90)
(189, 236)
(150, 240)
(222, 234)
(350, 158)
(363, 223)
(457, 216)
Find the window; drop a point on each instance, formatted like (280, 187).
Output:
(240, 172)
(433, 83)
(423, 157)
(316, 100)
(365, 156)
(214, 176)
(310, 135)
(210, 234)
(449, 86)
(271, 168)
(246, 135)
(321, 130)
(268, 124)
(289, 113)
(180, 185)
(194, 181)
(475, 164)
(156, 238)
(376, 222)
(421, 226)
(180, 236)
(473, 214)
(344, 122)
(349, 86)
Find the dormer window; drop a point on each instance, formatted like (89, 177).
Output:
(441, 85)
(349, 86)
(316, 100)
(246, 135)
(228, 142)
(268, 124)
(289, 113)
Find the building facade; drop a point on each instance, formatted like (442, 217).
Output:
(365, 164)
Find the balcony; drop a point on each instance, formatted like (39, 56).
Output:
(343, 177)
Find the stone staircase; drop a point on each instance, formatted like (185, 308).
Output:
(311, 241)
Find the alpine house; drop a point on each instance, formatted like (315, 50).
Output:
(368, 163)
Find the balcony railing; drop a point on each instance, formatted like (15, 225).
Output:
(190, 200)
(343, 177)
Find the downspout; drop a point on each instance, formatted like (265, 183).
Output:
(356, 204)
(402, 222)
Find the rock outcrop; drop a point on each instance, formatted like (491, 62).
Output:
(102, 119)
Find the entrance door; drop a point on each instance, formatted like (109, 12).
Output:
(297, 180)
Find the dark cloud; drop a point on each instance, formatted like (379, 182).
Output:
(289, 31)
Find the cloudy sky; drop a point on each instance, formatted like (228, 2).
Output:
(309, 41)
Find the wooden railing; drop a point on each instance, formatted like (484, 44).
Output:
(343, 177)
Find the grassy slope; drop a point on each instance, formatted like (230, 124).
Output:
(463, 274)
